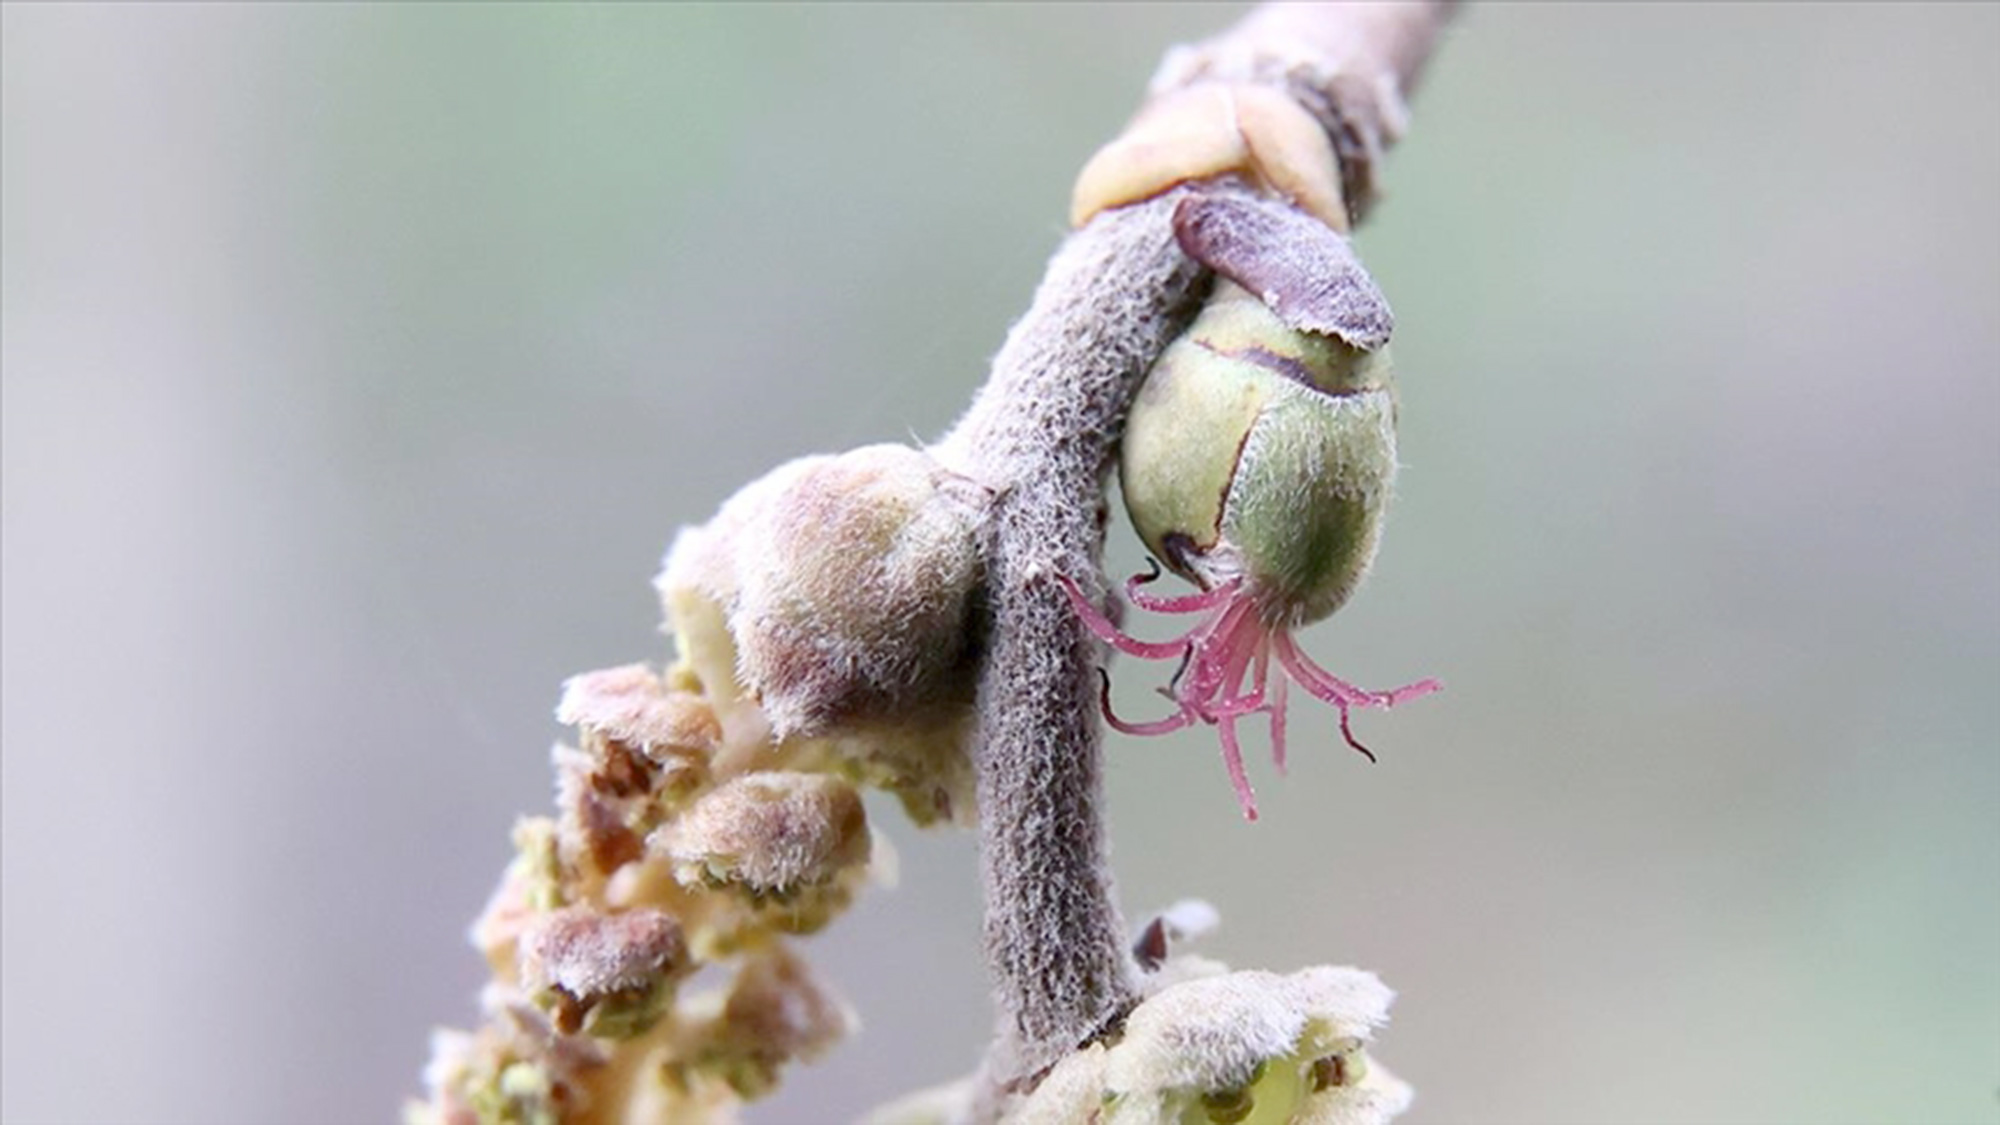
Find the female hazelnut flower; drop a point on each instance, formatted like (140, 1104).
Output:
(1257, 462)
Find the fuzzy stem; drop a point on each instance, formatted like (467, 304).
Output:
(1042, 434)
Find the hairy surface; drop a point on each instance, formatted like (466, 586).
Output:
(771, 832)
(1041, 437)
(589, 954)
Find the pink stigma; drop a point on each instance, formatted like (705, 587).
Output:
(1229, 650)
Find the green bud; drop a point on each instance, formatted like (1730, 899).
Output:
(1258, 452)
(538, 861)
(524, 1095)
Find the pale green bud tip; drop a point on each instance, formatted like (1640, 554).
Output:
(538, 863)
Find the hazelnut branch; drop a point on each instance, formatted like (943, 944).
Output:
(1041, 436)
(862, 618)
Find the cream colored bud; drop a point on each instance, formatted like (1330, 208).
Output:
(643, 743)
(631, 705)
(780, 1005)
(608, 975)
(776, 1012)
(847, 585)
(1255, 1046)
(771, 834)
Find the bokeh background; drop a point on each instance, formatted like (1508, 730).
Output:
(360, 362)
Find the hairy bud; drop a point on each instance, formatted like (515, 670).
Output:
(607, 975)
(847, 585)
(775, 1012)
(1220, 1047)
(790, 847)
(1255, 1046)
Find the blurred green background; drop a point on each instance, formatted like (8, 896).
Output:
(360, 362)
